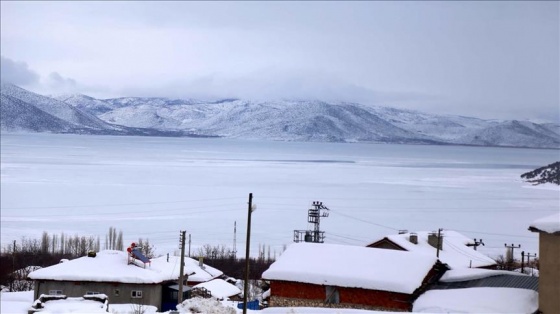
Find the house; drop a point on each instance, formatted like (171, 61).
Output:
(455, 249)
(476, 290)
(548, 229)
(220, 289)
(330, 275)
(122, 279)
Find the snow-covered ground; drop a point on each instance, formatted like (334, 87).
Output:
(471, 300)
(153, 187)
(16, 302)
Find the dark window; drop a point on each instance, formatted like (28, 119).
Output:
(332, 296)
(92, 292)
(136, 294)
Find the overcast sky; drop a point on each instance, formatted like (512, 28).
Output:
(486, 59)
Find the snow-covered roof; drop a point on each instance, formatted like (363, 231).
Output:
(351, 266)
(549, 224)
(477, 300)
(112, 266)
(454, 252)
(464, 274)
(219, 288)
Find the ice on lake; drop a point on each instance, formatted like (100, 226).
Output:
(153, 187)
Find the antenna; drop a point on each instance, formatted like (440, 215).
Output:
(314, 233)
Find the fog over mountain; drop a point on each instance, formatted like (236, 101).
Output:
(285, 120)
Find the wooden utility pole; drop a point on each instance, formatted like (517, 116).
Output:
(438, 241)
(522, 261)
(181, 269)
(476, 243)
(511, 247)
(528, 255)
(189, 245)
(247, 246)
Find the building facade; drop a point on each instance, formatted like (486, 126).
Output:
(548, 229)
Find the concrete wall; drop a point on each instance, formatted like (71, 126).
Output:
(118, 293)
(549, 273)
(284, 294)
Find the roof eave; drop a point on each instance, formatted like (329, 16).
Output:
(534, 229)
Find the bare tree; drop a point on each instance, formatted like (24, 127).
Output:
(120, 244)
(45, 242)
(146, 248)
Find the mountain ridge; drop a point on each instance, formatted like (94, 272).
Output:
(283, 120)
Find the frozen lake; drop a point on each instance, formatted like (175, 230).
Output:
(154, 187)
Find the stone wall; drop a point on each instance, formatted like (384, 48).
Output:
(292, 302)
(286, 293)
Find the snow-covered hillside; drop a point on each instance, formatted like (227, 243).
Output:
(285, 120)
(17, 115)
(546, 174)
(22, 110)
(280, 120)
(322, 121)
(513, 133)
(56, 108)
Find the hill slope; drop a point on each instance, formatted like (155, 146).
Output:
(17, 115)
(287, 120)
(56, 108)
(546, 174)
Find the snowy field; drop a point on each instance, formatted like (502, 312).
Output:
(153, 187)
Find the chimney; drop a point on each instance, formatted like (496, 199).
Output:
(201, 262)
(433, 240)
(413, 238)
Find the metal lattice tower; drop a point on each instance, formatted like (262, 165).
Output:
(314, 233)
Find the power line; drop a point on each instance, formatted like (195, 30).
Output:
(498, 234)
(363, 220)
(116, 204)
(133, 212)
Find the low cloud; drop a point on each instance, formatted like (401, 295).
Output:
(59, 84)
(274, 84)
(17, 72)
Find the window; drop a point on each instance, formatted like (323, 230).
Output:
(55, 292)
(92, 292)
(332, 296)
(117, 292)
(136, 294)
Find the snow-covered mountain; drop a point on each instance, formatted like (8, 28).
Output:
(322, 121)
(513, 133)
(73, 115)
(17, 115)
(280, 120)
(288, 120)
(44, 113)
(22, 110)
